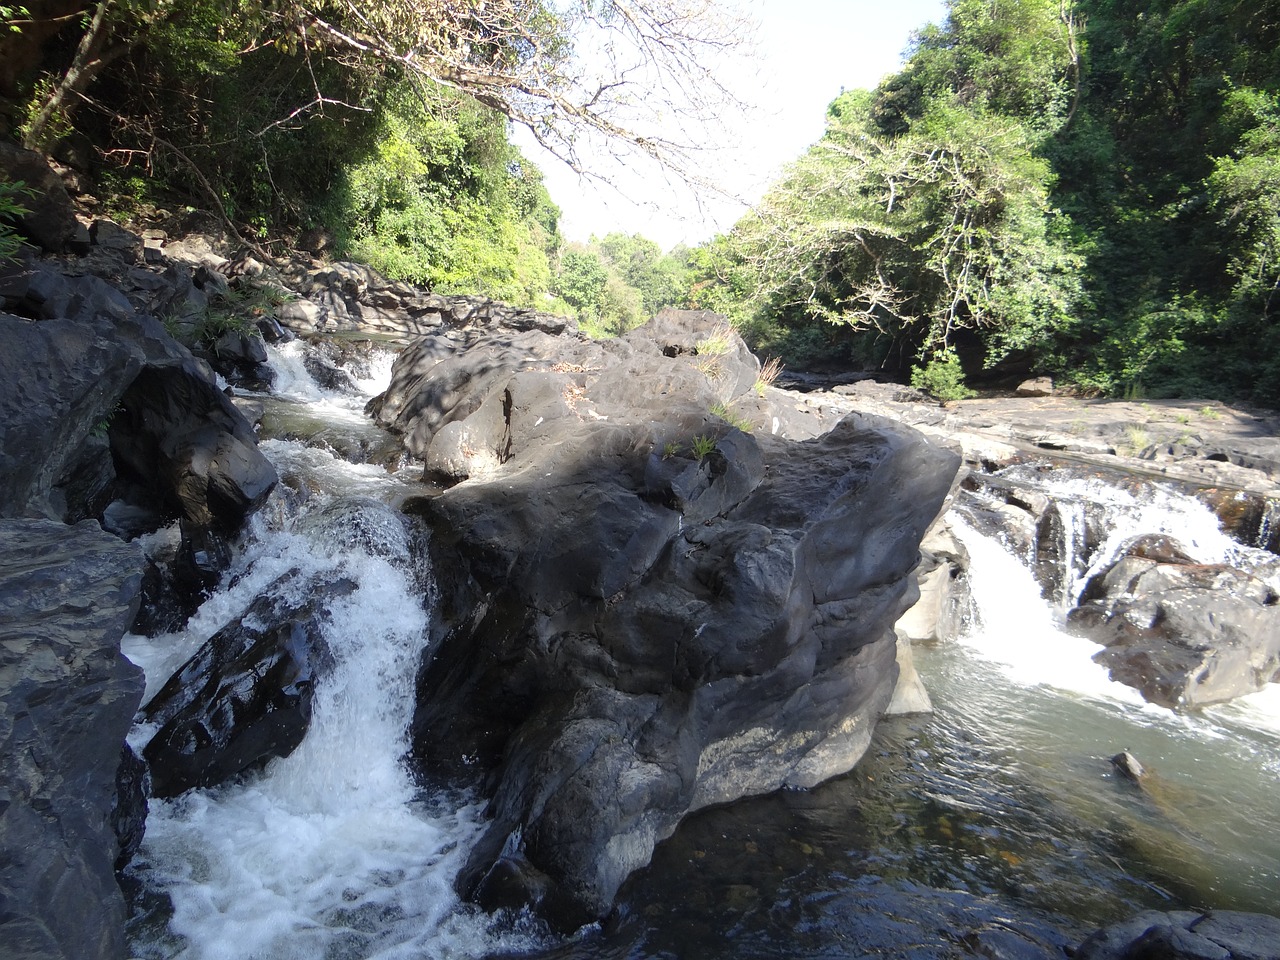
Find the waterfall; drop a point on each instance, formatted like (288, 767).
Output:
(333, 851)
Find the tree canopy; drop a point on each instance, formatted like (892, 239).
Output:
(1084, 188)
(385, 122)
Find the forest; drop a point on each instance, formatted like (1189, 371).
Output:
(1086, 189)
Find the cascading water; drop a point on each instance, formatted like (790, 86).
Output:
(333, 851)
(1000, 809)
(1120, 515)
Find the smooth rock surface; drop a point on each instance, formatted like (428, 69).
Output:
(1183, 634)
(67, 698)
(1186, 935)
(655, 611)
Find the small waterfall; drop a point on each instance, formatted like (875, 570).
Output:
(332, 852)
(1020, 631)
(1098, 519)
(1268, 537)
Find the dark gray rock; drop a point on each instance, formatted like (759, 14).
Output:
(50, 221)
(351, 297)
(1183, 634)
(59, 382)
(241, 358)
(67, 698)
(245, 697)
(653, 611)
(103, 407)
(1186, 935)
(185, 448)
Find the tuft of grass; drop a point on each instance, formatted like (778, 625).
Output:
(701, 445)
(716, 343)
(12, 195)
(725, 413)
(1211, 413)
(1136, 439)
(768, 374)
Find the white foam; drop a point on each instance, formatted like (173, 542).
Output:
(329, 852)
(1155, 509)
(1019, 631)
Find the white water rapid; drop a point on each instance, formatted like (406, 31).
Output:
(332, 852)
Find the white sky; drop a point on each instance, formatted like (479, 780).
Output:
(806, 51)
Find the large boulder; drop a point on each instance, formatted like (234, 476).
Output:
(83, 364)
(245, 696)
(67, 699)
(1184, 634)
(104, 411)
(647, 610)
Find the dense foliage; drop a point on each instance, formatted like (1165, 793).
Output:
(385, 123)
(616, 283)
(1087, 189)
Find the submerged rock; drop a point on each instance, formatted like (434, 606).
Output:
(1186, 935)
(648, 610)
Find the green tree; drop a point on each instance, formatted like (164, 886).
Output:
(915, 237)
(658, 277)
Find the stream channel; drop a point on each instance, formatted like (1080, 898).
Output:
(994, 826)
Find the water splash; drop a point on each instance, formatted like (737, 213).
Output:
(332, 851)
(1019, 630)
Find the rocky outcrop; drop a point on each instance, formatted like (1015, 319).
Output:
(343, 297)
(649, 609)
(67, 698)
(1186, 935)
(50, 222)
(102, 405)
(106, 417)
(1184, 634)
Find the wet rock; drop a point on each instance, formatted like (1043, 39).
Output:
(241, 358)
(1127, 765)
(245, 697)
(328, 375)
(67, 698)
(648, 610)
(944, 601)
(129, 814)
(1183, 634)
(1186, 935)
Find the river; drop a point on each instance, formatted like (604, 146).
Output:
(995, 822)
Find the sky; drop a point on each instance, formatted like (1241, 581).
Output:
(806, 52)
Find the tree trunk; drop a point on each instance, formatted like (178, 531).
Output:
(88, 62)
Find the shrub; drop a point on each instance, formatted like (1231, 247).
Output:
(942, 377)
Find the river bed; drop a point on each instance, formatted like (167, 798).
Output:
(997, 822)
